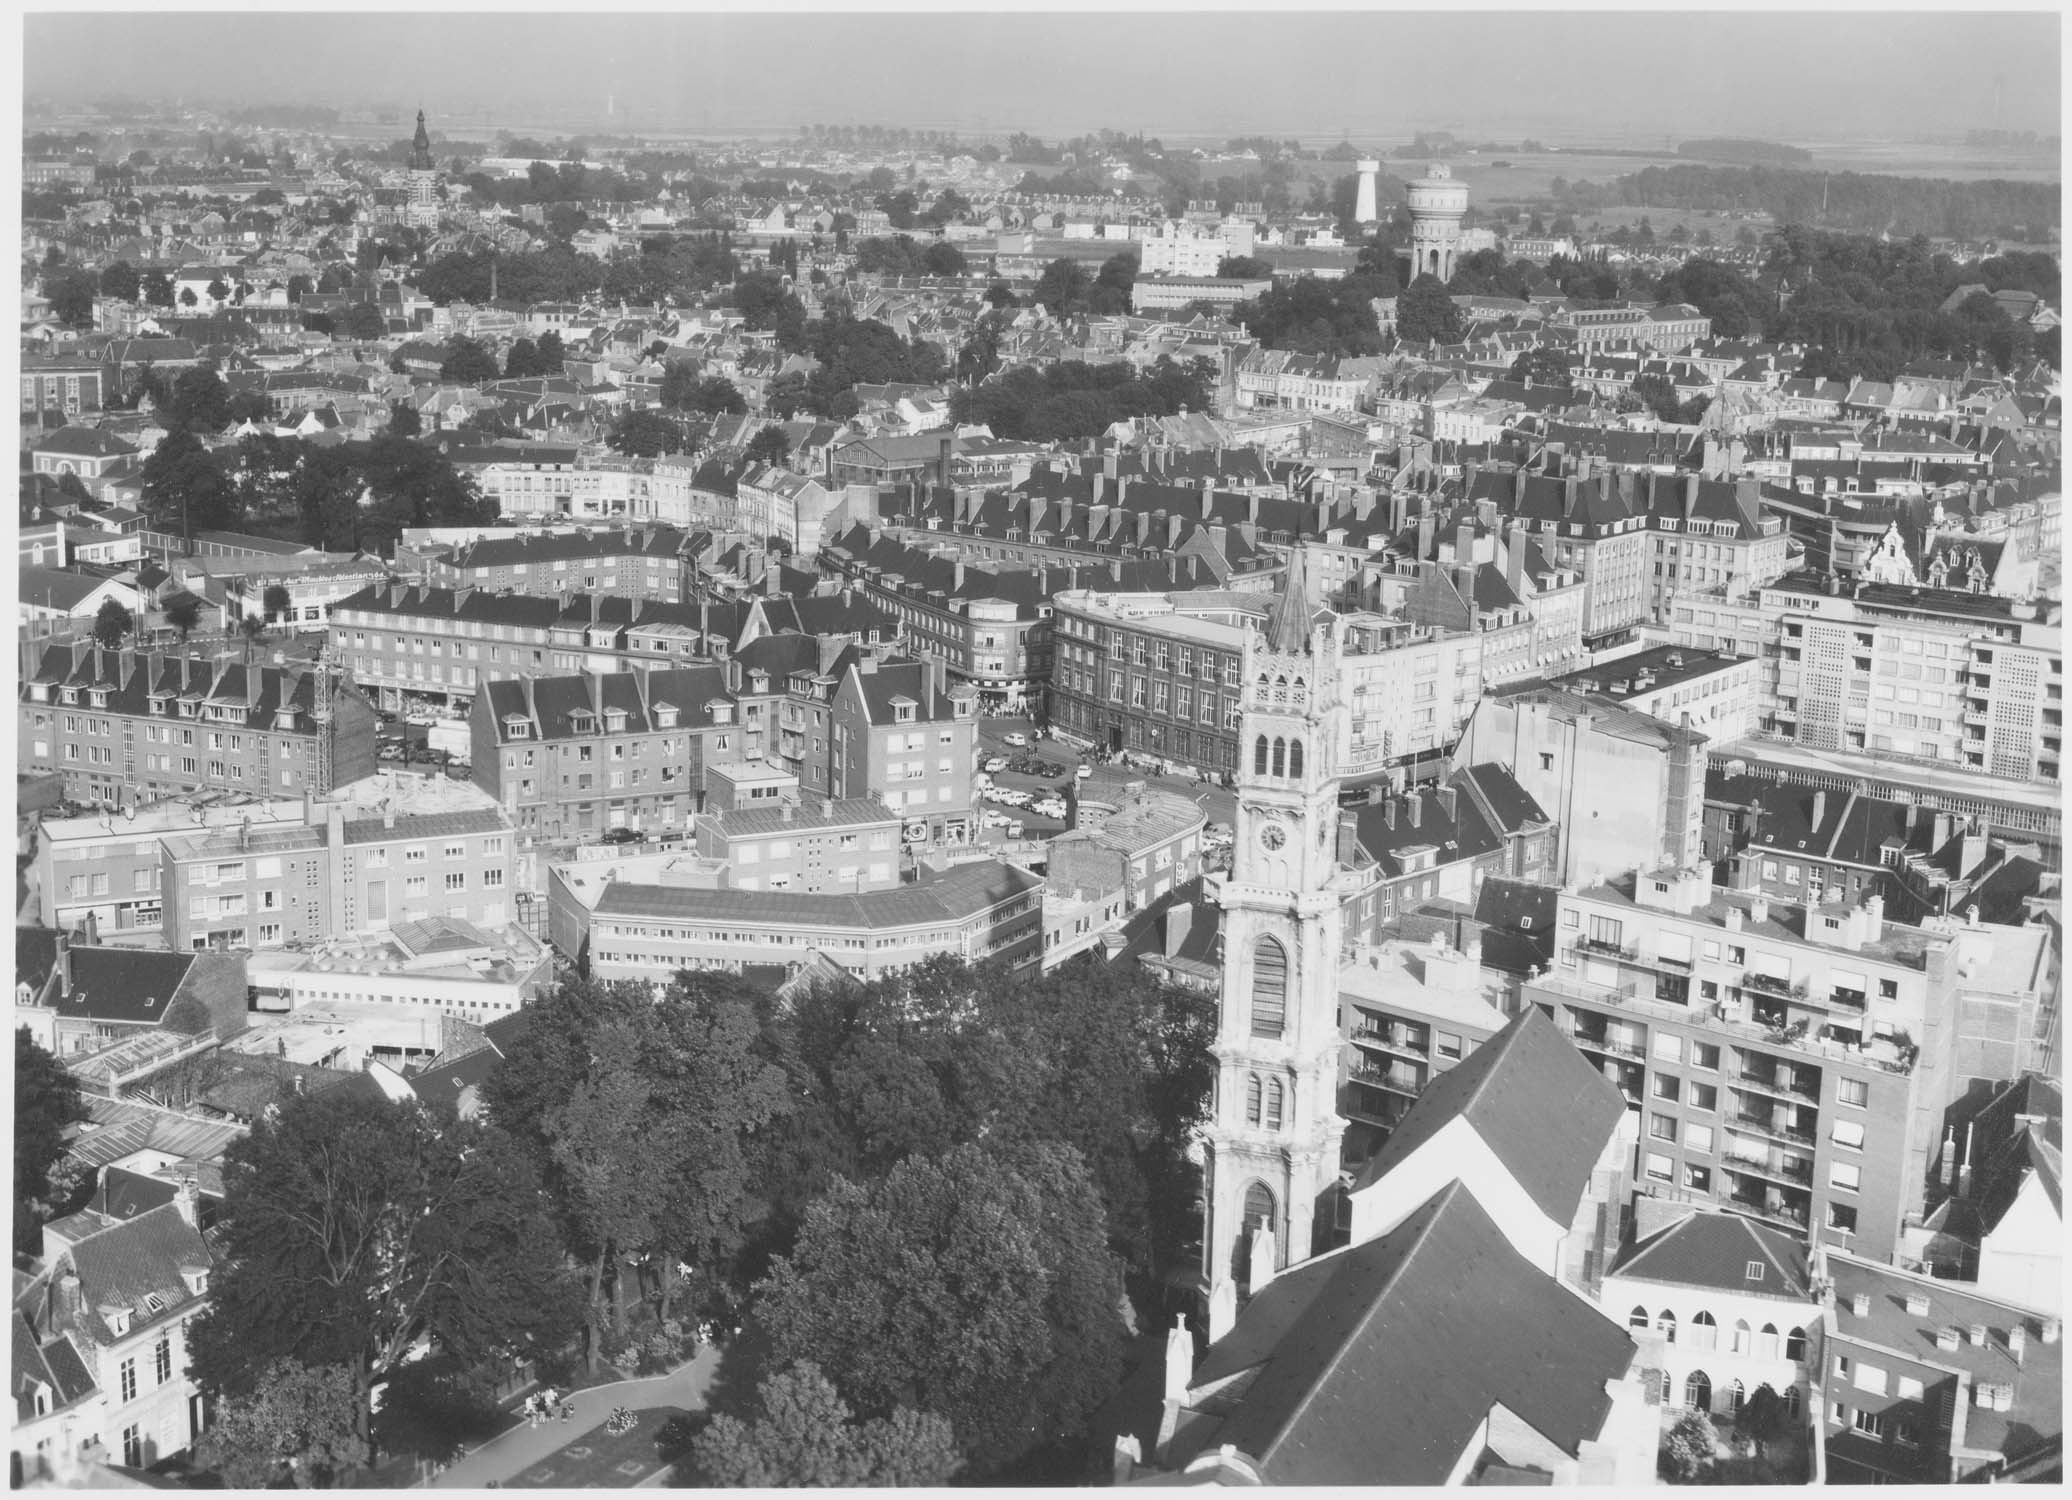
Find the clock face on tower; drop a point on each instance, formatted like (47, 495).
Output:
(1272, 836)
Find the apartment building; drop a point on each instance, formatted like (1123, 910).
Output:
(569, 757)
(1792, 1062)
(81, 1001)
(990, 629)
(1589, 521)
(332, 876)
(1965, 681)
(1671, 327)
(1706, 534)
(1927, 1381)
(125, 726)
(628, 562)
(818, 848)
(107, 870)
(899, 732)
(774, 502)
(404, 641)
(1707, 691)
(537, 481)
(978, 911)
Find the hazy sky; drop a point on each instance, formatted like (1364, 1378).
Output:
(1781, 75)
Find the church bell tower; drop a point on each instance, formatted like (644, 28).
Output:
(1272, 1144)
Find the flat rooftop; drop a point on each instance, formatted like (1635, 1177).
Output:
(1663, 666)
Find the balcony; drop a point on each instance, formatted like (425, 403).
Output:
(1623, 997)
(1772, 1168)
(1767, 1125)
(1769, 984)
(1780, 1087)
(1608, 949)
(1590, 1042)
(1390, 1039)
(1391, 1080)
(1777, 1210)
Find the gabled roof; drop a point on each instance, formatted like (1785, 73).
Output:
(124, 984)
(1379, 1363)
(1535, 1102)
(1717, 1250)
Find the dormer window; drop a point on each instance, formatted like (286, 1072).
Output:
(582, 721)
(196, 1278)
(615, 721)
(98, 697)
(517, 727)
(158, 704)
(722, 713)
(665, 716)
(117, 1318)
(68, 695)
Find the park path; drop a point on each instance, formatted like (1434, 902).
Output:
(517, 1449)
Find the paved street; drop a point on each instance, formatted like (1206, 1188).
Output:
(511, 1453)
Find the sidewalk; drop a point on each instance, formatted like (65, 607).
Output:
(512, 1452)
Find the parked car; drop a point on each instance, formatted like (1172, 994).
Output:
(1017, 739)
(1049, 807)
(996, 763)
(991, 819)
(1083, 772)
(620, 836)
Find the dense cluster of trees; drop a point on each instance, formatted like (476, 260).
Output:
(353, 496)
(1065, 288)
(1068, 401)
(1868, 306)
(1864, 202)
(674, 269)
(901, 255)
(932, 1191)
(352, 1225)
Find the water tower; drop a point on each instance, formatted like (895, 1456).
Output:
(1363, 209)
(1437, 205)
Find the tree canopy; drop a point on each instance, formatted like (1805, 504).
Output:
(801, 1433)
(351, 1224)
(1071, 400)
(1425, 312)
(978, 1285)
(46, 1104)
(297, 1427)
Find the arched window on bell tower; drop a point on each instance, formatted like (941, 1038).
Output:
(1280, 756)
(1269, 988)
(1295, 758)
(1252, 1099)
(1259, 757)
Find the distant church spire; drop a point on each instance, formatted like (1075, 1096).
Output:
(421, 148)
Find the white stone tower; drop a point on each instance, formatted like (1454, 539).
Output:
(1364, 211)
(1437, 205)
(1272, 1144)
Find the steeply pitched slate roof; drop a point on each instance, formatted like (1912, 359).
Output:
(130, 1260)
(125, 984)
(1713, 1249)
(1377, 1364)
(1540, 1108)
